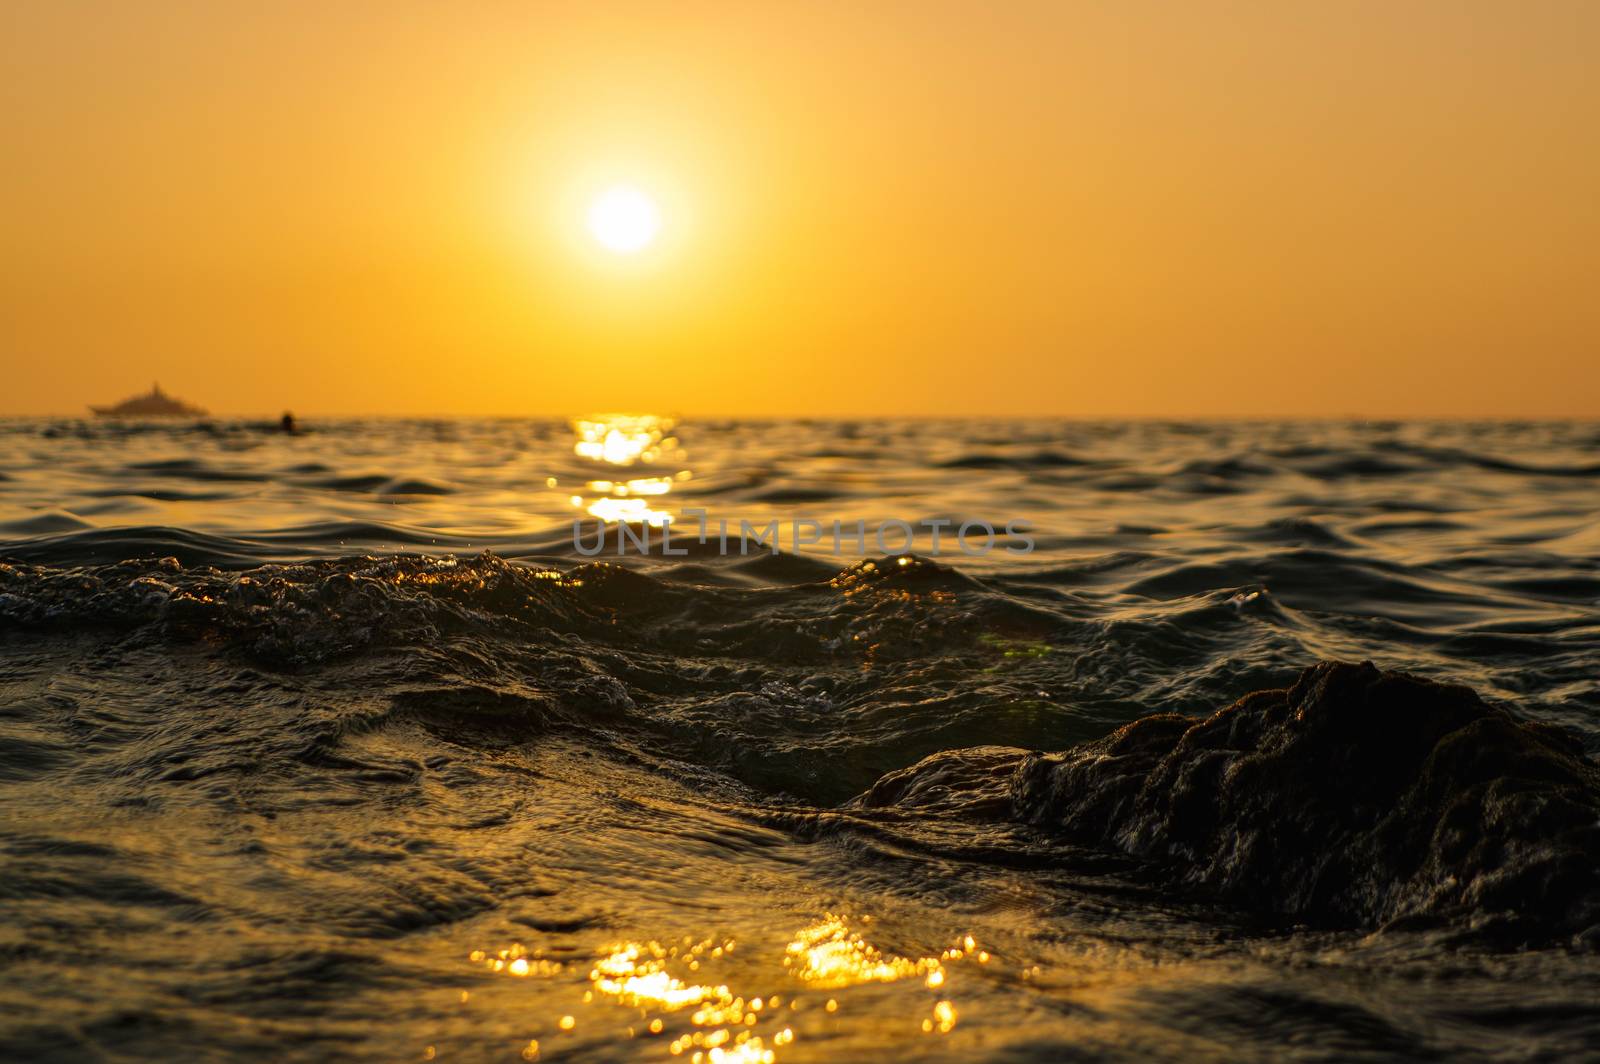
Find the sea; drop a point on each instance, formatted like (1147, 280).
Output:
(391, 740)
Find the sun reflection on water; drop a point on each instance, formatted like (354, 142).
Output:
(829, 954)
(627, 440)
(713, 1023)
(622, 439)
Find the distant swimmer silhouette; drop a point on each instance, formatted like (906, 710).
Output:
(286, 423)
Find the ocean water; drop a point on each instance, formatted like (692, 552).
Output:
(335, 746)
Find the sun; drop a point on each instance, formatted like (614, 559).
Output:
(624, 219)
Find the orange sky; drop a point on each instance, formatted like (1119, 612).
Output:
(1206, 209)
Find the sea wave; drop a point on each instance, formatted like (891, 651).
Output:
(279, 765)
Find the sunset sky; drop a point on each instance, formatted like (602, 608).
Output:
(1150, 209)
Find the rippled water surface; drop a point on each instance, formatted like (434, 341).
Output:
(333, 746)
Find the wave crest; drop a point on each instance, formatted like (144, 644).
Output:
(1354, 797)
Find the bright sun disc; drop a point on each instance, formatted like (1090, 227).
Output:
(624, 219)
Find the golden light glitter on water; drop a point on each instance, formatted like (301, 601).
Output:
(622, 439)
(716, 1023)
(635, 974)
(515, 960)
(627, 440)
(829, 954)
(629, 511)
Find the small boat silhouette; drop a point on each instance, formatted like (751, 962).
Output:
(156, 404)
